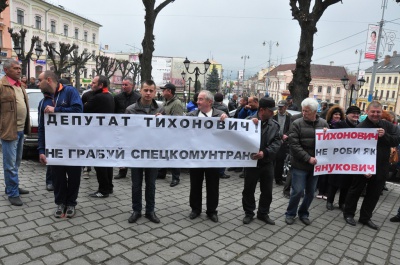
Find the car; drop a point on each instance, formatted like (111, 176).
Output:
(31, 139)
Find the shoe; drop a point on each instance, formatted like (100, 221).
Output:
(70, 212)
(369, 223)
(305, 220)
(213, 217)
(134, 217)
(152, 217)
(395, 219)
(49, 187)
(319, 196)
(279, 182)
(16, 201)
(237, 170)
(193, 215)
(247, 219)
(121, 174)
(265, 218)
(350, 221)
(324, 197)
(174, 183)
(224, 176)
(289, 220)
(22, 191)
(241, 175)
(98, 194)
(86, 174)
(60, 211)
(385, 188)
(329, 206)
(286, 195)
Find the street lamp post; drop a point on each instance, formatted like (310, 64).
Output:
(345, 82)
(270, 43)
(19, 39)
(184, 86)
(244, 57)
(190, 81)
(196, 71)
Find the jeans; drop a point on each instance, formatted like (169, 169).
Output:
(301, 180)
(265, 174)
(150, 176)
(12, 155)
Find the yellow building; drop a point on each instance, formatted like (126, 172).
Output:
(386, 86)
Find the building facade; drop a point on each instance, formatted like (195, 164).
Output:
(386, 85)
(53, 24)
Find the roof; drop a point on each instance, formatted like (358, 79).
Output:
(392, 67)
(317, 70)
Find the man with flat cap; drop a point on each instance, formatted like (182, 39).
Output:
(264, 171)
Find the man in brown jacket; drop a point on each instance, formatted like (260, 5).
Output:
(14, 122)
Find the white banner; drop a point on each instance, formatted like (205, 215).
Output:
(372, 42)
(123, 140)
(345, 151)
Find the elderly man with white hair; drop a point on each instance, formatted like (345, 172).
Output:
(302, 147)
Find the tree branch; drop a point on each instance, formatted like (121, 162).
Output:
(162, 5)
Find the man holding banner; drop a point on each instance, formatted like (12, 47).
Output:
(264, 171)
(66, 179)
(388, 136)
(302, 145)
(197, 175)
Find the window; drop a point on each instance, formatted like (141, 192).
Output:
(367, 79)
(94, 38)
(390, 80)
(328, 90)
(20, 16)
(66, 30)
(383, 79)
(338, 90)
(377, 80)
(85, 34)
(94, 55)
(53, 26)
(76, 33)
(319, 89)
(85, 73)
(395, 80)
(393, 94)
(1, 38)
(38, 22)
(381, 95)
(376, 94)
(387, 95)
(336, 101)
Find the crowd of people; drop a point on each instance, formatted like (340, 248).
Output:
(282, 136)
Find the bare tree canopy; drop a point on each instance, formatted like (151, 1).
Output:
(60, 58)
(3, 5)
(308, 24)
(106, 66)
(148, 40)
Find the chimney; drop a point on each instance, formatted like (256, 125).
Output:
(394, 53)
(387, 60)
(331, 63)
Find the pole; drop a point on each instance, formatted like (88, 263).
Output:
(190, 80)
(371, 87)
(196, 75)
(351, 94)
(269, 68)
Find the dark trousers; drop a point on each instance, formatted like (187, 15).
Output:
(66, 181)
(332, 192)
(49, 179)
(323, 184)
(288, 183)
(104, 177)
(150, 176)
(251, 176)
(373, 191)
(279, 163)
(176, 173)
(197, 176)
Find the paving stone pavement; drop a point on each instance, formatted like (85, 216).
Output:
(100, 232)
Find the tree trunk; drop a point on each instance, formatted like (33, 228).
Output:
(148, 47)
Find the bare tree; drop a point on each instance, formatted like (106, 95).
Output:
(308, 24)
(79, 61)
(60, 58)
(3, 5)
(127, 68)
(148, 40)
(106, 66)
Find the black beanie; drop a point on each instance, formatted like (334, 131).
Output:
(353, 109)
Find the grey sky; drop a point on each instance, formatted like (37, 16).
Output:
(225, 30)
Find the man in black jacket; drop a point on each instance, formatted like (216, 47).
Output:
(232, 105)
(124, 99)
(388, 136)
(101, 101)
(283, 118)
(264, 172)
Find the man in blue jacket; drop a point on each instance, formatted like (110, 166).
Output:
(66, 179)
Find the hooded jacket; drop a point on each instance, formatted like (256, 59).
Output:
(66, 99)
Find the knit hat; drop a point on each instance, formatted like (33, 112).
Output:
(218, 97)
(353, 109)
